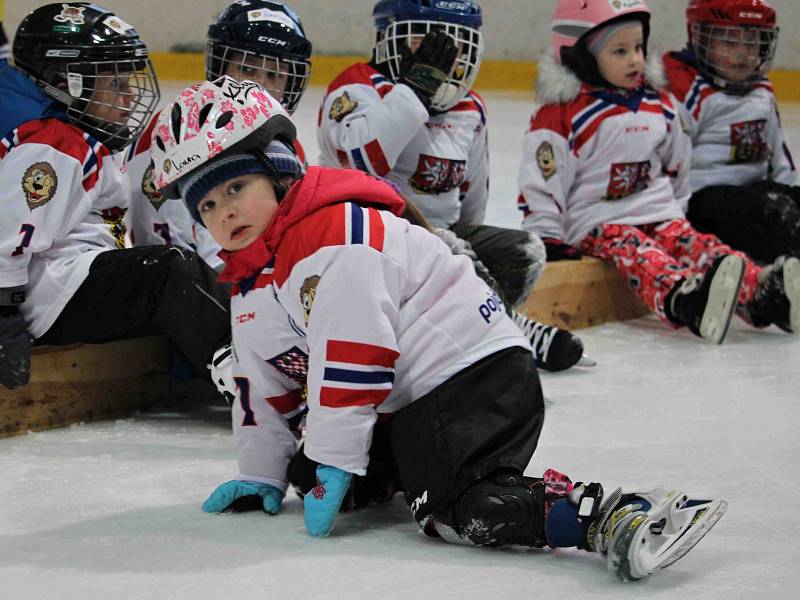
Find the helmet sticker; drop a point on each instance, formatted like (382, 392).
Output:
(62, 53)
(117, 24)
(275, 16)
(39, 184)
(71, 14)
(75, 84)
(620, 5)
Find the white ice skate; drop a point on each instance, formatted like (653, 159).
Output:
(650, 531)
(791, 283)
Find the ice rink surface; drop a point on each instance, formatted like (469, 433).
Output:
(112, 510)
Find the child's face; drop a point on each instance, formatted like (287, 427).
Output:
(733, 52)
(237, 211)
(621, 60)
(264, 71)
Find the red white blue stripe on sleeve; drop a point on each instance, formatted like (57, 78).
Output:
(370, 159)
(363, 226)
(356, 374)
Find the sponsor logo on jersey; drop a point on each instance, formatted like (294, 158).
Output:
(149, 189)
(39, 183)
(245, 317)
(437, 175)
(748, 142)
(626, 179)
(71, 14)
(341, 107)
(307, 293)
(546, 160)
(293, 364)
(113, 217)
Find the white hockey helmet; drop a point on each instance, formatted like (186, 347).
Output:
(210, 121)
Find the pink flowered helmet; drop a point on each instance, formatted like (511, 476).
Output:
(211, 120)
(573, 19)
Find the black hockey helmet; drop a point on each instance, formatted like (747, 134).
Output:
(265, 42)
(93, 63)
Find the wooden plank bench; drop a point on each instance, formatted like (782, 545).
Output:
(577, 294)
(87, 382)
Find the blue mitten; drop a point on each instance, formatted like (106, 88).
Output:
(241, 496)
(322, 502)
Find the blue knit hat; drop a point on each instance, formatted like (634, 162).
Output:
(281, 162)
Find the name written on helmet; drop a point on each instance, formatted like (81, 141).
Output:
(169, 163)
(750, 15)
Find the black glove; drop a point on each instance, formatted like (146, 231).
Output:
(559, 250)
(425, 70)
(15, 348)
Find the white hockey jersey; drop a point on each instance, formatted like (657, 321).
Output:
(592, 157)
(64, 199)
(366, 310)
(440, 162)
(736, 140)
(154, 220)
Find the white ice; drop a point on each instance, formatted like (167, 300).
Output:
(112, 509)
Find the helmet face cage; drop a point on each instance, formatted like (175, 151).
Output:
(751, 48)
(460, 79)
(112, 100)
(284, 78)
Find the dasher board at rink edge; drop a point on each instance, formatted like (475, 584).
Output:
(89, 382)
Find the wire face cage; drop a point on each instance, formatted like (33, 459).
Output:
(735, 58)
(461, 78)
(114, 100)
(285, 79)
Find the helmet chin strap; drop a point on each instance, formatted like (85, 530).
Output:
(277, 179)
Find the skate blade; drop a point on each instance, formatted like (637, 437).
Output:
(791, 286)
(585, 361)
(696, 535)
(722, 298)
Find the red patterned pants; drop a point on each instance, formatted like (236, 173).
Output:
(654, 258)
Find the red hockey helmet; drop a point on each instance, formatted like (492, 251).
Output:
(734, 41)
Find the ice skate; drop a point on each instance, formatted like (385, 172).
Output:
(705, 304)
(221, 368)
(644, 532)
(554, 349)
(778, 296)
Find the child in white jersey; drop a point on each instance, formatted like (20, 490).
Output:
(743, 176)
(376, 317)
(605, 168)
(410, 115)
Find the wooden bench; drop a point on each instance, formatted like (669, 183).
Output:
(577, 294)
(87, 382)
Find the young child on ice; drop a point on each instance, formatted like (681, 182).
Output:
(606, 168)
(744, 178)
(332, 289)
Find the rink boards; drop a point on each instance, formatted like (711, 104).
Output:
(87, 382)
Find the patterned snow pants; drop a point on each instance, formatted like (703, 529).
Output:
(654, 258)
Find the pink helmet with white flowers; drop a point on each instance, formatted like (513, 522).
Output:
(212, 120)
(573, 19)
